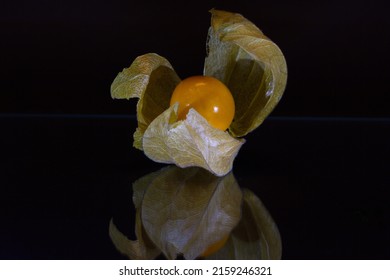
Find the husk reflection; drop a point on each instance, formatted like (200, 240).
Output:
(180, 213)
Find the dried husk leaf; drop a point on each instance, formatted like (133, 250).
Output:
(256, 237)
(151, 79)
(184, 211)
(250, 64)
(191, 142)
(141, 248)
(140, 186)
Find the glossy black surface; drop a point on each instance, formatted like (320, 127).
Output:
(325, 182)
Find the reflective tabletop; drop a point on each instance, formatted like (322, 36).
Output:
(73, 187)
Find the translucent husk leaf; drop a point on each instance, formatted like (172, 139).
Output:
(151, 79)
(256, 237)
(184, 211)
(141, 248)
(133, 249)
(250, 64)
(191, 142)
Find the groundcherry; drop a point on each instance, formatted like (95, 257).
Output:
(208, 96)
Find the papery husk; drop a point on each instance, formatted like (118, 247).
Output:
(141, 248)
(239, 55)
(191, 142)
(250, 64)
(184, 211)
(256, 237)
(151, 79)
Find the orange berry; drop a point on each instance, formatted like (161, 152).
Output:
(208, 96)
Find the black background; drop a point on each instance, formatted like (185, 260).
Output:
(320, 163)
(61, 56)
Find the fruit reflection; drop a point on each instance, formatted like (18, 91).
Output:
(190, 213)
